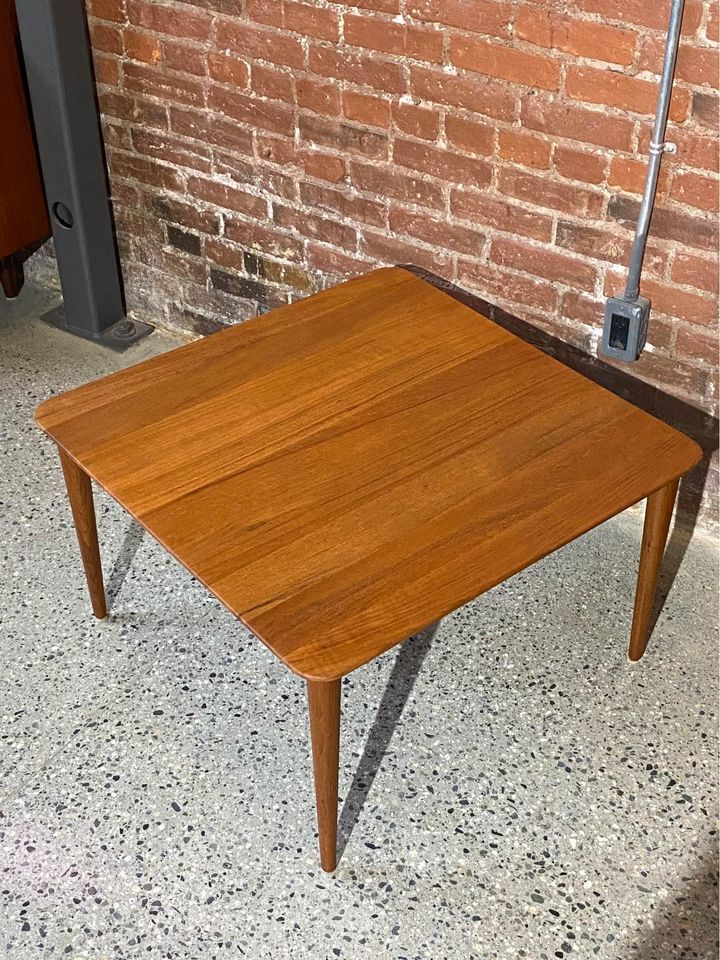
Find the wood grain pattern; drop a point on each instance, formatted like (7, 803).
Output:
(658, 513)
(80, 495)
(324, 709)
(348, 469)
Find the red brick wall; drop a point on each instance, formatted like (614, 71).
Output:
(261, 149)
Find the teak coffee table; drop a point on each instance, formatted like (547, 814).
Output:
(344, 471)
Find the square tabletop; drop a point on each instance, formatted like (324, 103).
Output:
(343, 471)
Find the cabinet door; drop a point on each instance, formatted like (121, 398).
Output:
(23, 214)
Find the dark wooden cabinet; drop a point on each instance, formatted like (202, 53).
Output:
(24, 221)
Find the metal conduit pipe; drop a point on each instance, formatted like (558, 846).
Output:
(627, 317)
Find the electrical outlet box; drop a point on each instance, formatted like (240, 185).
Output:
(626, 326)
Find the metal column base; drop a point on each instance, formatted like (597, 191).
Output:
(56, 51)
(119, 336)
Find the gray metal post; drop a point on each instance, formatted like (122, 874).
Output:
(56, 52)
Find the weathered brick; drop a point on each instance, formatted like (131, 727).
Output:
(145, 47)
(106, 38)
(366, 109)
(276, 271)
(324, 166)
(181, 56)
(272, 83)
(197, 323)
(116, 134)
(182, 240)
(713, 23)
(175, 21)
(132, 167)
(582, 308)
(582, 38)
(489, 99)
(470, 135)
(318, 96)
(227, 197)
(693, 149)
(672, 300)
(522, 148)
(593, 242)
(255, 43)
(443, 164)
(694, 343)
(630, 174)
(395, 38)
(574, 164)
(256, 113)
(277, 150)
(543, 262)
(311, 21)
(424, 227)
(269, 12)
(238, 286)
(505, 63)
(561, 119)
(706, 109)
(695, 64)
(402, 185)
(488, 211)
(323, 257)
(128, 194)
(113, 10)
(343, 136)
(350, 206)
(137, 221)
(208, 128)
(695, 190)
(693, 271)
(233, 8)
(249, 173)
(162, 146)
(312, 225)
(107, 70)
(381, 6)
(242, 236)
(618, 90)
(125, 106)
(188, 214)
(683, 379)
(171, 263)
(392, 250)
(229, 70)
(668, 224)
(153, 81)
(550, 193)
(506, 287)
(476, 16)
(359, 68)
(416, 121)
(645, 14)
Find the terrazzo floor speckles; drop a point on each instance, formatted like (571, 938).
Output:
(517, 789)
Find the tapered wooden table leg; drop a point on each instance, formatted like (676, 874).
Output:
(324, 705)
(79, 490)
(658, 511)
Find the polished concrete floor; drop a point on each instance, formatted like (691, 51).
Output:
(512, 787)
